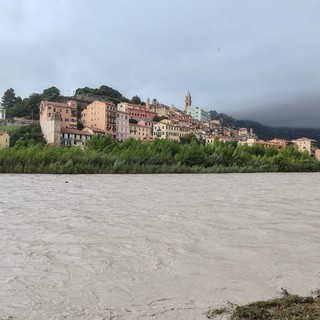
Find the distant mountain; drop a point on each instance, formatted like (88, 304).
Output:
(265, 132)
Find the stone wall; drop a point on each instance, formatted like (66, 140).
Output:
(51, 129)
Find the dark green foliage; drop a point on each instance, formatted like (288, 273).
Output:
(103, 92)
(290, 307)
(264, 132)
(136, 100)
(50, 94)
(158, 119)
(104, 155)
(8, 99)
(188, 138)
(134, 121)
(287, 307)
(26, 136)
(28, 107)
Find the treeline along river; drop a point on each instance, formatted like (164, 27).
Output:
(102, 155)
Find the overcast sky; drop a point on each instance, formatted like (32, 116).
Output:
(252, 59)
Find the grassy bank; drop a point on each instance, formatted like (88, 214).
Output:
(103, 155)
(288, 307)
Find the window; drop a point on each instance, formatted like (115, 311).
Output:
(66, 120)
(67, 110)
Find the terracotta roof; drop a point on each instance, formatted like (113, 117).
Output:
(57, 104)
(304, 139)
(96, 130)
(2, 133)
(75, 131)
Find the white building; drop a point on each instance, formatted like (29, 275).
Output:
(198, 113)
(122, 125)
(2, 113)
(74, 137)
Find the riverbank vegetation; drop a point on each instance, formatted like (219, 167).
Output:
(287, 307)
(103, 155)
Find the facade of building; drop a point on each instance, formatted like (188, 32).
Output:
(4, 140)
(280, 142)
(161, 110)
(306, 144)
(100, 115)
(136, 111)
(167, 129)
(243, 132)
(74, 137)
(141, 130)
(198, 113)
(122, 123)
(67, 112)
(2, 113)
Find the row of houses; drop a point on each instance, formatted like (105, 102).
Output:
(59, 123)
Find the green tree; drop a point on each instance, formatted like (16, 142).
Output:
(136, 100)
(51, 94)
(32, 105)
(8, 99)
(188, 138)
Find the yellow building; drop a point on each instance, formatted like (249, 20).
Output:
(100, 115)
(306, 144)
(141, 130)
(4, 139)
(167, 129)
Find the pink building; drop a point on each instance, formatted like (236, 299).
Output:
(67, 112)
(136, 111)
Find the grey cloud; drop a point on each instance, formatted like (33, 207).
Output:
(245, 58)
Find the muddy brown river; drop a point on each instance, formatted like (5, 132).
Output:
(154, 246)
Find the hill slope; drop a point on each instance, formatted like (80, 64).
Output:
(265, 132)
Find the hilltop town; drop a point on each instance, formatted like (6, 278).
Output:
(76, 120)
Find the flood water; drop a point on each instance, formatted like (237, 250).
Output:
(154, 246)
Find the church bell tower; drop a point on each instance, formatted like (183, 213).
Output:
(188, 102)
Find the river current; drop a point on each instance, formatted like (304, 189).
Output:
(154, 246)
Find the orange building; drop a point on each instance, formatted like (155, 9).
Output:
(279, 142)
(141, 130)
(101, 115)
(67, 112)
